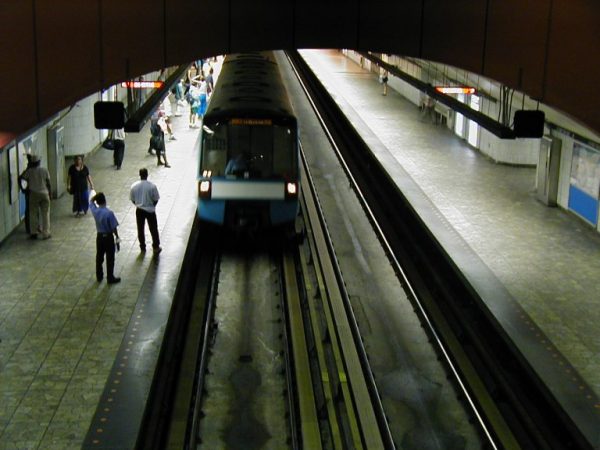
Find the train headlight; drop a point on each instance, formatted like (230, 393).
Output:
(204, 188)
(291, 190)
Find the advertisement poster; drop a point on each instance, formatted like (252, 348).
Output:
(13, 185)
(585, 170)
(585, 182)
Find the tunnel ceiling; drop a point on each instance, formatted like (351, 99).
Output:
(56, 52)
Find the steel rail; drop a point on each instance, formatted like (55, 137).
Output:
(450, 358)
(328, 385)
(344, 328)
(375, 398)
(184, 420)
(160, 422)
(327, 287)
(208, 328)
(309, 422)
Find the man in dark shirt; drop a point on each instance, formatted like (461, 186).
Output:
(106, 226)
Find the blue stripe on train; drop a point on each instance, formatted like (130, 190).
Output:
(282, 212)
(279, 211)
(212, 210)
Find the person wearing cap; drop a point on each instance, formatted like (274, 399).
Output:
(38, 184)
(106, 226)
(25, 189)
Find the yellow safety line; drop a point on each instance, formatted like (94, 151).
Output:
(340, 374)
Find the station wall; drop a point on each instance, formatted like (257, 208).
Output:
(520, 152)
(80, 138)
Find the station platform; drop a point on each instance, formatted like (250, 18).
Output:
(61, 330)
(536, 267)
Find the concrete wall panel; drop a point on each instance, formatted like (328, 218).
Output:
(17, 78)
(326, 24)
(261, 25)
(196, 29)
(72, 27)
(454, 32)
(132, 38)
(573, 68)
(391, 27)
(516, 44)
(139, 36)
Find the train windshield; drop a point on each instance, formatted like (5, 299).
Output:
(263, 151)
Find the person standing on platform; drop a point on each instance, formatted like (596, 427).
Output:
(177, 91)
(384, 81)
(106, 227)
(78, 183)
(202, 98)
(210, 82)
(166, 112)
(159, 143)
(193, 98)
(119, 152)
(144, 195)
(25, 189)
(38, 184)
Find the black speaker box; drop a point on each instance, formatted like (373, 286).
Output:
(109, 115)
(529, 124)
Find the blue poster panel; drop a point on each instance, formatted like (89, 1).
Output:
(584, 188)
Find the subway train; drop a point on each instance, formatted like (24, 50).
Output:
(248, 177)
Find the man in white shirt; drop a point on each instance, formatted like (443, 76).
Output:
(144, 196)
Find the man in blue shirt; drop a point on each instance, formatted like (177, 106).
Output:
(106, 226)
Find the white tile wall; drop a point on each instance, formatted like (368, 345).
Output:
(522, 152)
(80, 135)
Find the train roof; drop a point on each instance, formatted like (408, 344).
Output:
(249, 85)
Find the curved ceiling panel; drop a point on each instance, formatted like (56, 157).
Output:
(57, 51)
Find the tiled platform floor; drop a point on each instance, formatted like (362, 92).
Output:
(60, 329)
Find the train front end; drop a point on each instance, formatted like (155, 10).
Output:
(248, 174)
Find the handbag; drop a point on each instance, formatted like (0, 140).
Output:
(109, 142)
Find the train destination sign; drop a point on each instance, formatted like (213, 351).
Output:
(143, 84)
(455, 89)
(251, 121)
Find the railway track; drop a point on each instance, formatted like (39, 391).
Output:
(509, 404)
(244, 405)
(265, 351)
(269, 357)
